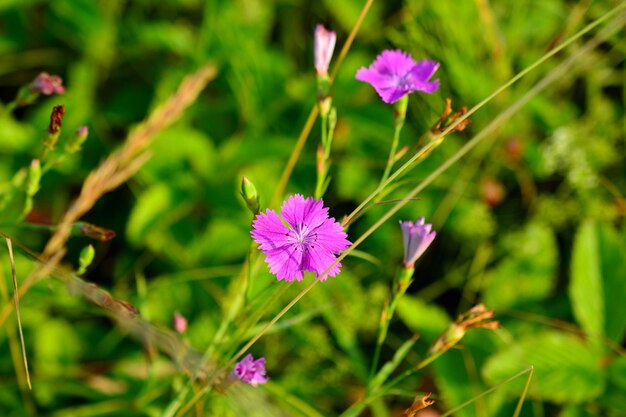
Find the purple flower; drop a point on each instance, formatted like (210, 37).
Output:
(417, 237)
(324, 47)
(47, 84)
(308, 242)
(395, 74)
(251, 371)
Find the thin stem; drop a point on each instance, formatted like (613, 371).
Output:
(391, 160)
(322, 160)
(304, 134)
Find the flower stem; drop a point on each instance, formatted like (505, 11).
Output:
(399, 115)
(402, 282)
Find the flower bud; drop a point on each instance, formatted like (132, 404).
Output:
(324, 45)
(179, 322)
(250, 195)
(85, 259)
(54, 128)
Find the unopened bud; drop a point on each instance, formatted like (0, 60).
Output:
(54, 128)
(250, 195)
(179, 322)
(324, 45)
(34, 177)
(85, 259)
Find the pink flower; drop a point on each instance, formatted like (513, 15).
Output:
(395, 74)
(417, 237)
(324, 47)
(251, 371)
(47, 84)
(308, 242)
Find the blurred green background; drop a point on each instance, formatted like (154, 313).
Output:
(531, 222)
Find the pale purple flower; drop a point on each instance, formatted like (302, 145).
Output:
(323, 49)
(417, 237)
(47, 84)
(308, 241)
(395, 74)
(251, 371)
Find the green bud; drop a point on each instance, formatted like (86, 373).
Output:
(34, 177)
(85, 259)
(74, 145)
(250, 195)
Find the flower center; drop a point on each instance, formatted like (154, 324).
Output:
(303, 235)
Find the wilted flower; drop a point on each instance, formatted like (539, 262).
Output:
(477, 317)
(395, 74)
(323, 49)
(448, 118)
(416, 237)
(47, 84)
(309, 241)
(251, 371)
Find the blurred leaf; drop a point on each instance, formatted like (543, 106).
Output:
(597, 289)
(426, 319)
(528, 272)
(56, 346)
(566, 369)
(585, 288)
(152, 205)
(613, 263)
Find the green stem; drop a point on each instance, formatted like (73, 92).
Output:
(391, 160)
(401, 283)
(322, 169)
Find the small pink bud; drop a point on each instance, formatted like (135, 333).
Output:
(324, 47)
(179, 322)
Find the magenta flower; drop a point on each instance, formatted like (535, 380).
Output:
(308, 242)
(417, 237)
(324, 45)
(47, 84)
(395, 74)
(251, 371)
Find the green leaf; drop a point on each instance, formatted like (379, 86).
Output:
(598, 281)
(585, 288)
(528, 272)
(613, 266)
(427, 320)
(566, 369)
(149, 211)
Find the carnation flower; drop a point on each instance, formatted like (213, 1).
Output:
(251, 371)
(417, 237)
(309, 241)
(324, 45)
(47, 84)
(395, 74)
